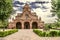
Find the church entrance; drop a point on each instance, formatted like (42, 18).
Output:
(26, 25)
(34, 25)
(18, 25)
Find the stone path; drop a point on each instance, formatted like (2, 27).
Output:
(28, 34)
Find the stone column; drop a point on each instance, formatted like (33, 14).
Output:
(38, 25)
(14, 25)
(30, 25)
(22, 25)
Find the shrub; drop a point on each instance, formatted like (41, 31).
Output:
(38, 32)
(47, 33)
(59, 33)
(44, 34)
(5, 33)
(53, 33)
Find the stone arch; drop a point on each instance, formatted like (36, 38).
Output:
(26, 25)
(18, 25)
(34, 25)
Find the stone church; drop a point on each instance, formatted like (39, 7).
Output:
(26, 20)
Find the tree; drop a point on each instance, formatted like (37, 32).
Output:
(56, 7)
(5, 9)
(56, 11)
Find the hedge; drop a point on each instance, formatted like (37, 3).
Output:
(47, 33)
(6, 33)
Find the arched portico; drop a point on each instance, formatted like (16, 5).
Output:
(26, 25)
(34, 25)
(18, 25)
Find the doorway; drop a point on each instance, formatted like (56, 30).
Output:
(18, 25)
(26, 25)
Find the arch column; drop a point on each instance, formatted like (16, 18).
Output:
(30, 25)
(22, 25)
(38, 26)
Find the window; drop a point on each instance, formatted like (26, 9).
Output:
(27, 16)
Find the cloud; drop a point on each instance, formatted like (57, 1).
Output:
(17, 2)
(33, 5)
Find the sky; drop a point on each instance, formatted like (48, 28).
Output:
(45, 14)
(32, 0)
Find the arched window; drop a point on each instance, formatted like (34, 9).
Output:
(27, 16)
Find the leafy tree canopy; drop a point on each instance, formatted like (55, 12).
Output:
(56, 7)
(5, 9)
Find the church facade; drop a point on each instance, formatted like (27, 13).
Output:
(26, 20)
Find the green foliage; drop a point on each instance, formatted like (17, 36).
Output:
(56, 7)
(53, 33)
(38, 32)
(59, 33)
(5, 33)
(44, 34)
(2, 25)
(56, 10)
(47, 33)
(47, 27)
(57, 24)
(52, 25)
(5, 11)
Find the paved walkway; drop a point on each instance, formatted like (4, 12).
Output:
(27, 34)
